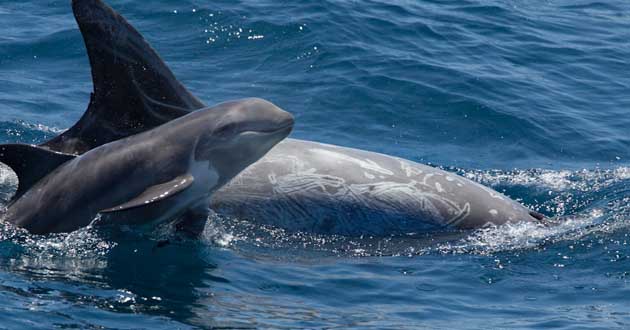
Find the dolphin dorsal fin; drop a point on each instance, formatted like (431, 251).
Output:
(154, 194)
(134, 90)
(30, 163)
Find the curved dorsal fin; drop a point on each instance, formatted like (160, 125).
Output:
(30, 163)
(134, 90)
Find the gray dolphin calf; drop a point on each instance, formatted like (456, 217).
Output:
(152, 176)
(298, 185)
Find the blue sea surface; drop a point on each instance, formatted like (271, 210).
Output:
(530, 97)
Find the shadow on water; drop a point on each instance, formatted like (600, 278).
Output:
(106, 273)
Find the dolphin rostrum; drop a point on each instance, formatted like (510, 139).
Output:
(156, 175)
(298, 185)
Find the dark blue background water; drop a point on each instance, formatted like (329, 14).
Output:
(530, 97)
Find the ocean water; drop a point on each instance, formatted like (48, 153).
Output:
(530, 97)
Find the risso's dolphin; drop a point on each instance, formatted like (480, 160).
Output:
(152, 176)
(298, 185)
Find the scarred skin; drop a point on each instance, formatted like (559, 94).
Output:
(322, 188)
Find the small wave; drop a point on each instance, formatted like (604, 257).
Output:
(593, 6)
(42, 127)
(519, 236)
(84, 242)
(25, 132)
(55, 256)
(557, 180)
(8, 182)
(557, 192)
(580, 203)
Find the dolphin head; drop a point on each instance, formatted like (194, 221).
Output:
(239, 133)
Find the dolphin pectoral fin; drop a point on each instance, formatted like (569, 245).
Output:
(134, 90)
(30, 163)
(154, 194)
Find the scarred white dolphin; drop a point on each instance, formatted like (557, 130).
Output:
(152, 176)
(299, 185)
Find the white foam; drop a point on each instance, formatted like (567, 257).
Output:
(522, 236)
(42, 128)
(560, 180)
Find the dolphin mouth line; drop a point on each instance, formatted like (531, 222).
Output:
(288, 126)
